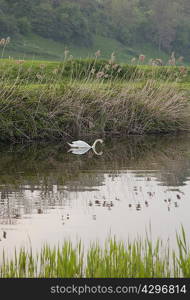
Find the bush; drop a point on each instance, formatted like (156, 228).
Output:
(87, 107)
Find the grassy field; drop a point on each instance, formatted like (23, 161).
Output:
(137, 259)
(51, 100)
(37, 48)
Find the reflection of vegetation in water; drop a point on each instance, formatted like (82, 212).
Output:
(140, 258)
(52, 173)
(40, 161)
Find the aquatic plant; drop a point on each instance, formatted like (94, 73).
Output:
(141, 258)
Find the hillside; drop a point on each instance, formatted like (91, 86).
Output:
(36, 47)
(43, 29)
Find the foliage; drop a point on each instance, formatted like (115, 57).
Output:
(141, 258)
(165, 24)
(29, 71)
(85, 97)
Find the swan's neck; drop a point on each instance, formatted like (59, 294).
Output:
(97, 153)
(96, 141)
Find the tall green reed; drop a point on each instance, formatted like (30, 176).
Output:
(141, 258)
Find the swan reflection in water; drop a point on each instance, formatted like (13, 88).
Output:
(81, 151)
(81, 147)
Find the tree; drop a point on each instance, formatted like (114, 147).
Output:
(8, 26)
(163, 23)
(164, 20)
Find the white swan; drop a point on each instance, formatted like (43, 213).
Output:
(82, 144)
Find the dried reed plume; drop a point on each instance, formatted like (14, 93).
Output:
(133, 60)
(97, 53)
(141, 57)
(112, 58)
(172, 60)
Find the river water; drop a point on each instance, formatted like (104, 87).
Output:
(138, 185)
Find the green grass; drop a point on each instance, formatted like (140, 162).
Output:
(51, 100)
(24, 70)
(141, 258)
(53, 111)
(38, 48)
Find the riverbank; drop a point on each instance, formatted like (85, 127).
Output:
(82, 97)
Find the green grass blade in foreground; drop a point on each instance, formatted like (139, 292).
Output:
(140, 258)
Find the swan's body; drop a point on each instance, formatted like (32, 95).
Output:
(82, 144)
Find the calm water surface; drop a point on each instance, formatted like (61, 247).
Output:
(48, 194)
